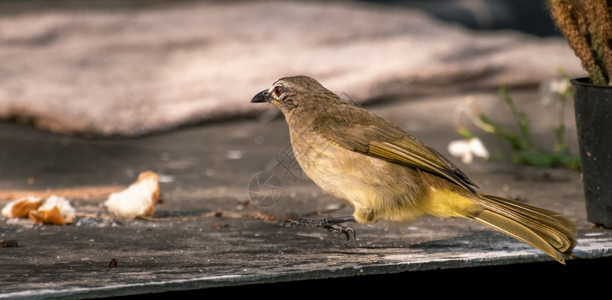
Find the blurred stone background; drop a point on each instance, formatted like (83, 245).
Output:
(127, 68)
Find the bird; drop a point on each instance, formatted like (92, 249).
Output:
(387, 174)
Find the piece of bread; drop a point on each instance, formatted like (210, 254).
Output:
(55, 210)
(21, 207)
(138, 200)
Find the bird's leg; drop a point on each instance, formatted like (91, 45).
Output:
(331, 224)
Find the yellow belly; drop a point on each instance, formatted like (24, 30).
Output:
(378, 189)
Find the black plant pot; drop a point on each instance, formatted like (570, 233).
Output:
(593, 108)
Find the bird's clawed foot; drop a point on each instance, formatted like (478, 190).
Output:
(333, 225)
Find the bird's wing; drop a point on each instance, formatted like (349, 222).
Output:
(364, 132)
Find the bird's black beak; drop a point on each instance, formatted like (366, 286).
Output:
(260, 97)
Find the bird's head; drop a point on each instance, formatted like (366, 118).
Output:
(297, 93)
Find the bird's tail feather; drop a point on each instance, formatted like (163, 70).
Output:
(543, 229)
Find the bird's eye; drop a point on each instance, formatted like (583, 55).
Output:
(278, 91)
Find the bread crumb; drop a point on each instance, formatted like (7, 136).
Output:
(55, 210)
(21, 207)
(138, 200)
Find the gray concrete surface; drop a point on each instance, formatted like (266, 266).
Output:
(207, 234)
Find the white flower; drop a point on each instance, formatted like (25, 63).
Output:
(560, 86)
(467, 149)
(551, 91)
